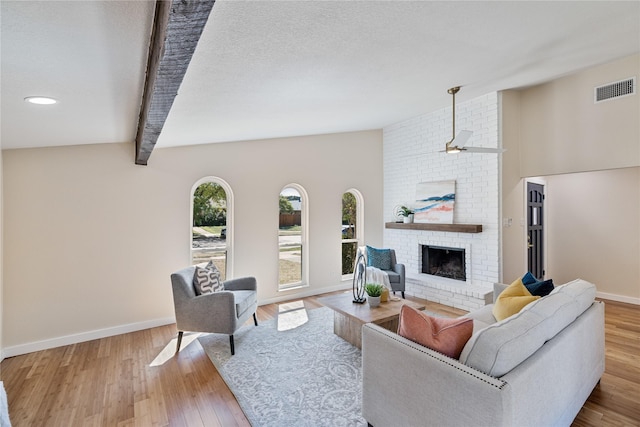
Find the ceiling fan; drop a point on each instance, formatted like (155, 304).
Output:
(464, 135)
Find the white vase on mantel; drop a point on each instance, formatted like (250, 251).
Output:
(408, 219)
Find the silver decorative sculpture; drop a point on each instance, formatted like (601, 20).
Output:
(359, 279)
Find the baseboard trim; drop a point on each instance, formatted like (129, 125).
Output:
(618, 298)
(18, 350)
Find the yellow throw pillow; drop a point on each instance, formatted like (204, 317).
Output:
(512, 300)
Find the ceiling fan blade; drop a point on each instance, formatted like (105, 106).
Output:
(462, 138)
(483, 150)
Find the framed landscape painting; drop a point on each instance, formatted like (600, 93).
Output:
(435, 202)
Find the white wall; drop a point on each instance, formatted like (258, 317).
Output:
(513, 240)
(593, 228)
(563, 131)
(555, 131)
(1, 266)
(411, 156)
(91, 238)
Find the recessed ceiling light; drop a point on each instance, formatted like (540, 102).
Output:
(40, 100)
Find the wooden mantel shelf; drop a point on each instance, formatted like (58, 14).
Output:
(456, 228)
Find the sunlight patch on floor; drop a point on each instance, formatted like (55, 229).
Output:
(291, 315)
(169, 351)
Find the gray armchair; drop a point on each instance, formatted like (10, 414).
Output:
(396, 275)
(221, 312)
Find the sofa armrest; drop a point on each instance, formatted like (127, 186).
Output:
(213, 312)
(241, 284)
(405, 383)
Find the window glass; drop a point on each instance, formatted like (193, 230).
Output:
(209, 226)
(290, 233)
(350, 230)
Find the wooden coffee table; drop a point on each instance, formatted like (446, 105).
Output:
(348, 317)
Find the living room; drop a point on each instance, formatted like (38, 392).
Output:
(89, 239)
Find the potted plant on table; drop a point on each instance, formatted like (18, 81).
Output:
(407, 213)
(374, 291)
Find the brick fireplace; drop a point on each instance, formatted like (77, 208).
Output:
(411, 156)
(444, 262)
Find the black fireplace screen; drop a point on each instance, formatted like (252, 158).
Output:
(444, 262)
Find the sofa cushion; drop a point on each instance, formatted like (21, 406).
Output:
(393, 276)
(482, 317)
(379, 258)
(497, 290)
(445, 335)
(512, 300)
(498, 348)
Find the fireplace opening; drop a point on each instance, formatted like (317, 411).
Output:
(444, 262)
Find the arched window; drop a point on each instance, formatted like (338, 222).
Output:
(352, 229)
(211, 230)
(292, 237)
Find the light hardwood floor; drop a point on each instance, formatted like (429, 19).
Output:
(135, 380)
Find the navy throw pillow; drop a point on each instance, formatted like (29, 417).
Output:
(379, 258)
(541, 288)
(529, 279)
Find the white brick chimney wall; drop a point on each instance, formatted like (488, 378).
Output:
(411, 155)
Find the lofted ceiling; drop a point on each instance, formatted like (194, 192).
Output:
(265, 69)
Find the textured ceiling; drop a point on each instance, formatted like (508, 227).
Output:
(90, 55)
(273, 68)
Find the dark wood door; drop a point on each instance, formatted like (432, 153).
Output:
(535, 228)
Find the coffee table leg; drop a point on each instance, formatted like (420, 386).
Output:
(348, 329)
(391, 324)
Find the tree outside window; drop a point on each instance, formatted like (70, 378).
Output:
(209, 228)
(349, 232)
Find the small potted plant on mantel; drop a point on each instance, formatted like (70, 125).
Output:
(407, 213)
(374, 291)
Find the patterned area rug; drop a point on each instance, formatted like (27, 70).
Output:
(296, 376)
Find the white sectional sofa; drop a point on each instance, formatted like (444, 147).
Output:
(535, 368)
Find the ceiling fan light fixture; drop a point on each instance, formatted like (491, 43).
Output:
(453, 150)
(41, 100)
(463, 136)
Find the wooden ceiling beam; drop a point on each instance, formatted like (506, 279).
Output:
(177, 27)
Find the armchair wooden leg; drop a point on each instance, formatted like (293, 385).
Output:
(402, 292)
(255, 319)
(233, 350)
(179, 341)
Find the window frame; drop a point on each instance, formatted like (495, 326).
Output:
(304, 238)
(359, 228)
(229, 265)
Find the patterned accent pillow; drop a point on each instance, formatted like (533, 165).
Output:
(207, 280)
(379, 258)
(444, 335)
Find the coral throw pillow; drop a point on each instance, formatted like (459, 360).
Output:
(444, 335)
(512, 300)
